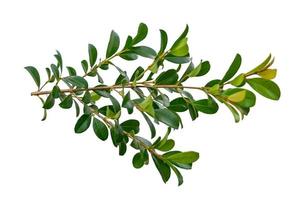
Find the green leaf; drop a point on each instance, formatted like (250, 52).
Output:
(66, 102)
(137, 74)
(266, 88)
(150, 124)
(49, 103)
(208, 106)
(127, 103)
(100, 129)
(239, 81)
(233, 111)
(113, 44)
(55, 91)
(202, 69)
(180, 38)
(122, 148)
(85, 65)
(164, 40)
(147, 105)
(184, 157)
(82, 123)
(128, 43)
(34, 74)
(262, 65)
(181, 49)
(129, 56)
(55, 71)
(71, 71)
(92, 54)
(178, 105)
(130, 125)
(178, 174)
(167, 146)
(141, 33)
(59, 59)
(232, 69)
(77, 81)
(249, 100)
(87, 97)
(138, 160)
(168, 77)
(77, 110)
(145, 51)
(163, 168)
(193, 111)
(168, 117)
(177, 60)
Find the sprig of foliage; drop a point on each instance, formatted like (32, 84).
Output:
(142, 91)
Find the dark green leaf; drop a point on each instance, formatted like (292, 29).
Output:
(82, 123)
(122, 148)
(113, 44)
(130, 125)
(77, 81)
(145, 51)
(137, 74)
(178, 105)
(92, 54)
(202, 69)
(266, 88)
(163, 168)
(34, 74)
(71, 71)
(55, 91)
(232, 69)
(141, 33)
(168, 77)
(100, 129)
(49, 102)
(177, 60)
(150, 124)
(77, 110)
(129, 56)
(179, 175)
(138, 160)
(85, 65)
(59, 59)
(127, 103)
(168, 117)
(208, 106)
(66, 102)
(193, 112)
(55, 71)
(184, 157)
(164, 40)
(87, 97)
(128, 43)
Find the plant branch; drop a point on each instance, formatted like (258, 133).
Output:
(130, 85)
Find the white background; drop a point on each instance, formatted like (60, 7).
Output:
(258, 158)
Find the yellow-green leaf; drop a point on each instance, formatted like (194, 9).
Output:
(268, 74)
(237, 97)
